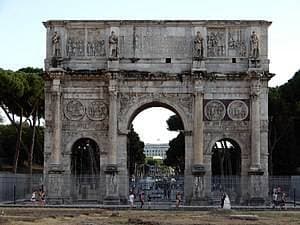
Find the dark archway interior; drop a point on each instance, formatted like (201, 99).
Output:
(85, 158)
(226, 158)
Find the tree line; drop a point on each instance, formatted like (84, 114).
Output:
(22, 101)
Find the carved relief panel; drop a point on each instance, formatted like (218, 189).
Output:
(96, 42)
(236, 43)
(75, 109)
(216, 42)
(224, 110)
(75, 43)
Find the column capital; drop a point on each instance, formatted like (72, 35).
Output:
(255, 89)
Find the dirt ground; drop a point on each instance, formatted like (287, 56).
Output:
(56, 216)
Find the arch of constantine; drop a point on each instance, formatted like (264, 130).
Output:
(100, 74)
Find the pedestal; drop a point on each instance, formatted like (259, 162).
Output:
(113, 64)
(55, 185)
(112, 193)
(198, 65)
(199, 198)
(257, 187)
(254, 64)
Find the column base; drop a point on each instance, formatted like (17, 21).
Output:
(254, 64)
(111, 200)
(199, 202)
(112, 187)
(257, 187)
(255, 201)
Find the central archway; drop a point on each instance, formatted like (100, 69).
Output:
(159, 186)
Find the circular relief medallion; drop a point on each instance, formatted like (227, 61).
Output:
(237, 110)
(214, 110)
(74, 110)
(97, 110)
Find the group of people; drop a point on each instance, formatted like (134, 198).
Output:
(141, 199)
(141, 195)
(38, 197)
(278, 198)
(225, 201)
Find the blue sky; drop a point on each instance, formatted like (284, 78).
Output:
(22, 39)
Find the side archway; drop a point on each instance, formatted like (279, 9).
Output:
(85, 170)
(226, 168)
(85, 157)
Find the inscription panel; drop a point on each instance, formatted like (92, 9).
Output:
(152, 42)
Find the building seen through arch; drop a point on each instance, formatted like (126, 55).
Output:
(100, 74)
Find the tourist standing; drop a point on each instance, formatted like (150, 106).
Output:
(178, 199)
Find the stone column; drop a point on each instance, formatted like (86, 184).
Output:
(113, 121)
(55, 179)
(56, 123)
(111, 170)
(198, 169)
(198, 129)
(256, 182)
(255, 126)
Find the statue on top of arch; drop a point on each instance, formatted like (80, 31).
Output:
(113, 45)
(254, 45)
(198, 45)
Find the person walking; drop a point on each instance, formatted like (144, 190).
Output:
(178, 199)
(142, 199)
(131, 199)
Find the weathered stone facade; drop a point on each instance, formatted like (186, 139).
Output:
(101, 74)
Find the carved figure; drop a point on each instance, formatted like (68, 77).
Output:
(216, 43)
(113, 45)
(69, 47)
(56, 44)
(254, 45)
(198, 42)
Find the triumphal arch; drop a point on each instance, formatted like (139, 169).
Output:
(100, 74)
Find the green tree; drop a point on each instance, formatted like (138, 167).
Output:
(135, 151)
(34, 107)
(284, 127)
(176, 152)
(19, 92)
(8, 139)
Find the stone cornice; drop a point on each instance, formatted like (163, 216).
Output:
(207, 23)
